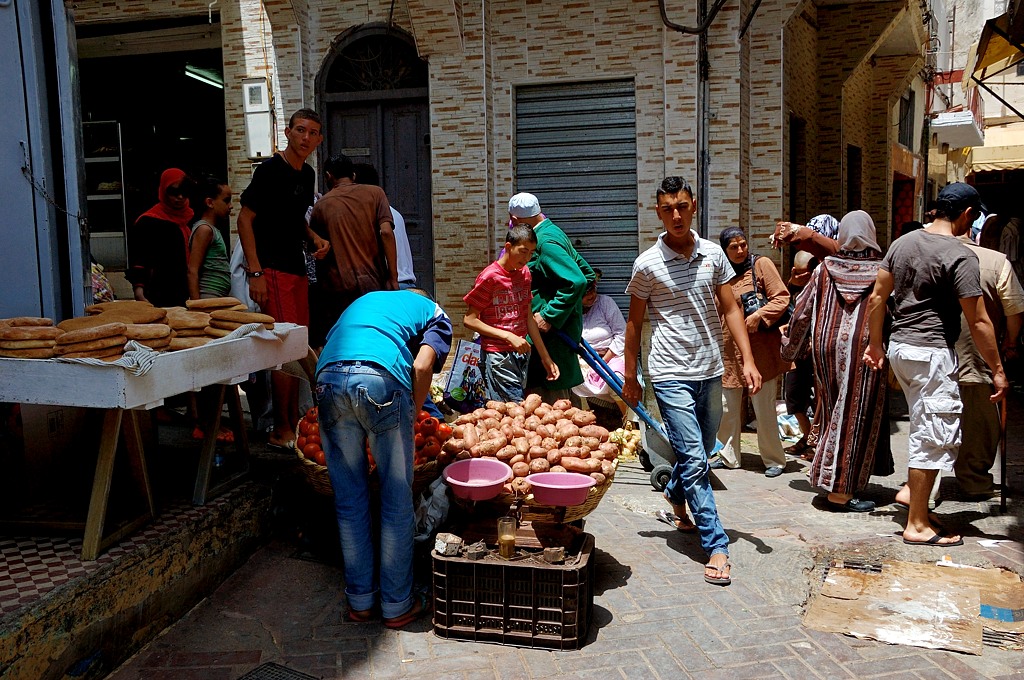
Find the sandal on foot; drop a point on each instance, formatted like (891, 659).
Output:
(359, 616)
(797, 450)
(936, 541)
(724, 577)
(420, 607)
(683, 524)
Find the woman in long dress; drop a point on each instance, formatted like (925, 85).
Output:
(831, 318)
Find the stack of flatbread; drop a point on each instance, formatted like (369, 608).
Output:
(28, 337)
(187, 328)
(156, 336)
(223, 321)
(105, 341)
(126, 311)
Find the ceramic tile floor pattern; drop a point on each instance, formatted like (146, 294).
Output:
(31, 566)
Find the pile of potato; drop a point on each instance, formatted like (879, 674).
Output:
(532, 436)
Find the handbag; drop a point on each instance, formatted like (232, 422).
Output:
(756, 299)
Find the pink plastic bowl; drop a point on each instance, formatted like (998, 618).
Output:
(477, 479)
(560, 488)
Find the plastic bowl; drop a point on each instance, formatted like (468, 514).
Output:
(477, 479)
(560, 488)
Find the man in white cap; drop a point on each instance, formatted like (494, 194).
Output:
(560, 278)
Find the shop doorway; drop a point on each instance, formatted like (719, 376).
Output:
(152, 97)
(903, 203)
(373, 89)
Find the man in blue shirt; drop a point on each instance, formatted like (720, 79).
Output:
(372, 378)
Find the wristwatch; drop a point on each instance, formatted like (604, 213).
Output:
(254, 275)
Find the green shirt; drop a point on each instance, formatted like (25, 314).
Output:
(215, 272)
(560, 278)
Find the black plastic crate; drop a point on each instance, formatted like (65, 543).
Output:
(526, 603)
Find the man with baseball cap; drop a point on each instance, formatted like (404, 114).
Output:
(560, 278)
(923, 271)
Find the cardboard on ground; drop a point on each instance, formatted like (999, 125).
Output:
(919, 604)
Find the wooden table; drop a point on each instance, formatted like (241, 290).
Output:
(120, 395)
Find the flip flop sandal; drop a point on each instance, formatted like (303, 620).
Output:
(683, 524)
(420, 607)
(935, 541)
(797, 449)
(719, 580)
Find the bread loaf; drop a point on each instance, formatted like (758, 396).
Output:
(214, 332)
(213, 303)
(136, 314)
(28, 321)
(25, 344)
(187, 343)
(181, 320)
(80, 322)
(147, 331)
(107, 330)
(30, 332)
(156, 343)
(241, 317)
(189, 332)
(101, 307)
(92, 345)
(41, 353)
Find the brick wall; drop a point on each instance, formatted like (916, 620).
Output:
(800, 97)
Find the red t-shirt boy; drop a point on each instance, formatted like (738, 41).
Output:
(499, 310)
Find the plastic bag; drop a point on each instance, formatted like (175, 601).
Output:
(431, 510)
(465, 389)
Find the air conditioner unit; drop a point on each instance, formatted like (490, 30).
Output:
(259, 123)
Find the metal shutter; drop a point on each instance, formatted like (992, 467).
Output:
(576, 151)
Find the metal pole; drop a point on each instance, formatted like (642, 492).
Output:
(703, 121)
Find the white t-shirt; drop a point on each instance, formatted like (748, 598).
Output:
(406, 275)
(686, 341)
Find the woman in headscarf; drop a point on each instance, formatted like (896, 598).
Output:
(764, 345)
(831, 318)
(158, 244)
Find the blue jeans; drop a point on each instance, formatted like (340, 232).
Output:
(692, 411)
(505, 375)
(360, 401)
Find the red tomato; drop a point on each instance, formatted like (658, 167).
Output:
(428, 425)
(304, 426)
(314, 439)
(311, 414)
(444, 432)
(419, 439)
(309, 449)
(421, 416)
(319, 458)
(431, 448)
(301, 442)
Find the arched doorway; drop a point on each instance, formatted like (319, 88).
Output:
(373, 93)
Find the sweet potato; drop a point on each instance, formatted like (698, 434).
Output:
(554, 456)
(508, 430)
(562, 404)
(572, 464)
(463, 455)
(584, 418)
(522, 444)
(570, 412)
(592, 442)
(531, 423)
(506, 453)
(489, 423)
(518, 430)
(493, 413)
(545, 431)
(557, 468)
(542, 411)
(566, 431)
(466, 418)
(480, 414)
(488, 447)
(571, 451)
(518, 458)
(509, 405)
(594, 431)
(521, 486)
(551, 417)
(454, 445)
(549, 443)
(517, 411)
(531, 403)
(458, 431)
(498, 406)
(609, 451)
(521, 469)
(573, 441)
(598, 477)
(471, 436)
(536, 452)
(534, 439)
(539, 465)
(607, 469)
(593, 464)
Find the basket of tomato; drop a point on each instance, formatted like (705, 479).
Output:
(429, 435)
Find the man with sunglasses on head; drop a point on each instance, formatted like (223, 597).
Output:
(272, 229)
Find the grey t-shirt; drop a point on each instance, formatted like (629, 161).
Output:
(931, 273)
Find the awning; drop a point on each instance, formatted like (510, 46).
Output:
(995, 53)
(988, 158)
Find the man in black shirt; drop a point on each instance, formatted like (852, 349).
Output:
(272, 229)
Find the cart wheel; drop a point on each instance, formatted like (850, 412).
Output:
(645, 460)
(660, 476)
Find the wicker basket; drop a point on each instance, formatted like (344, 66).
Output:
(531, 510)
(316, 475)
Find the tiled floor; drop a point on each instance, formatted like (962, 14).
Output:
(31, 566)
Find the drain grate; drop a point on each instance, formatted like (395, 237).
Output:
(274, 671)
